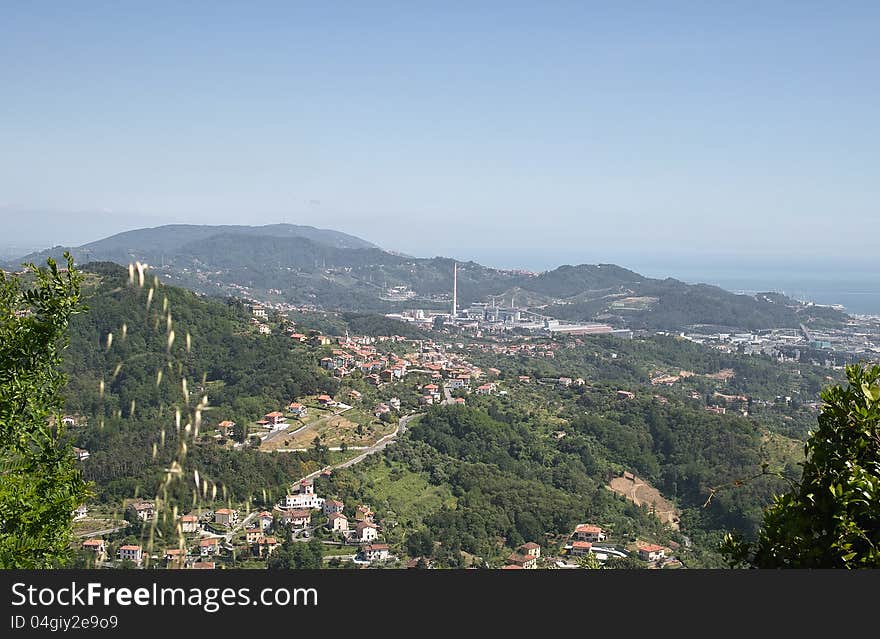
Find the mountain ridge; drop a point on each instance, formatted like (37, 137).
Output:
(154, 242)
(333, 270)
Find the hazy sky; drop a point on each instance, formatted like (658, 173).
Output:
(509, 132)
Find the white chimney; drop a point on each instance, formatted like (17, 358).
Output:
(454, 289)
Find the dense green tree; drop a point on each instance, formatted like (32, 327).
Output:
(831, 519)
(420, 544)
(40, 484)
(589, 561)
(298, 556)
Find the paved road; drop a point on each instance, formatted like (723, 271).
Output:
(98, 533)
(381, 444)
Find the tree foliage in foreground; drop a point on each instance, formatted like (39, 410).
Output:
(832, 518)
(40, 485)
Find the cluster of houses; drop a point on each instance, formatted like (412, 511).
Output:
(276, 420)
(204, 548)
(527, 349)
(296, 511)
(583, 538)
(257, 538)
(172, 557)
(358, 355)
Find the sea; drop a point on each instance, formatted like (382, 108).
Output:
(857, 292)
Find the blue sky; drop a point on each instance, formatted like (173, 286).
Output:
(512, 133)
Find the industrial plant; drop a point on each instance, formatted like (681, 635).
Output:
(490, 317)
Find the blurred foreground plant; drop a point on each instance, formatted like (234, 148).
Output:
(40, 484)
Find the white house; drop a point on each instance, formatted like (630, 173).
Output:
(520, 560)
(190, 524)
(297, 518)
(333, 506)
(375, 552)
(132, 553)
(266, 519)
(588, 532)
(303, 501)
(366, 532)
(337, 522)
(297, 409)
(651, 552)
(209, 546)
(144, 510)
(275, 420)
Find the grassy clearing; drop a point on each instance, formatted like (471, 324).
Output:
(335, 551)
(409, 495)
(781, 450)
(89, 525)
(352, 428)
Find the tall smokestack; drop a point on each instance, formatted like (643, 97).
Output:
(454, 289)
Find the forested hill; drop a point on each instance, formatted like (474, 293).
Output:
(243, 373)
(174, 241)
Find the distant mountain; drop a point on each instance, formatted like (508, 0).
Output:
(163, 244)
(332, 270)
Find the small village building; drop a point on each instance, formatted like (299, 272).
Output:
(266, 520)
(190, 524)
(366, 532)
(375, 552)
(297, 518)
(96, 546)
(651, 552)
(333, 506)
(337, 522)
(589, 532)
(226, 516)
(209, 546)
(131, 553)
